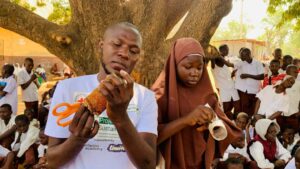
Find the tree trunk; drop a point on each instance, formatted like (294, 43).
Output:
(77, 42)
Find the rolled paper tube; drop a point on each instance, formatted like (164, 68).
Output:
(95, 102)
(217, 129)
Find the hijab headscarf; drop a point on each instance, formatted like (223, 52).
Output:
(188, 148)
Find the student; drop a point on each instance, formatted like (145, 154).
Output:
(233, 163)
(242, 120)
(127, 138)
(292, 115)
(272, 101)
(225, 84)
(33, 121)
(183, 89)
(265, 148)
(248, 76)
(24, 143)
(8, 94)
(6, 158)
(274, 77)
(42, 150)
(287, 60)
(7, 126)
(27, 81)
(288, 139)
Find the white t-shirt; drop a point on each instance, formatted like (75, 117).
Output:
(4, 127)
(271, 102)
(294, 99)
(291, 164)
(30, 94)
(231, 150)
(250, 85)
(42, 150)
(3, 151)
(105, 150)
(11, 96)
(225, 84)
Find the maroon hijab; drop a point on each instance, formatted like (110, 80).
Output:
(188, 148)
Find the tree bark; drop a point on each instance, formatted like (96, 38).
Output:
(77, 43)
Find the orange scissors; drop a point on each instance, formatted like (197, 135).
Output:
(70, 109)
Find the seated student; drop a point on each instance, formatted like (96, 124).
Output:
(7, 126)
(272, 100)
(242, 120)
(33, 121)
(274, 76)
(42, 150)
(232, 163)
(6, 158)
(288, 139)
(295, 161)
(265, 148)
(43, 115)
(24, 143)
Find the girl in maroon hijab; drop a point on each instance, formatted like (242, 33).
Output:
(182, 90)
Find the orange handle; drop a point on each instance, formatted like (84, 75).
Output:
(70, 109)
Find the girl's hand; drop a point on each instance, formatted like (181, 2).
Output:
(200, 115)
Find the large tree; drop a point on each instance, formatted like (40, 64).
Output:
(76, 43)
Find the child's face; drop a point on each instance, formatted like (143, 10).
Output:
(288, 135)
(43, 138)
(5, 113)
(274, 67)
(29, 114)
(287, 61)
(271, 133)
(277, 54)
(241, 122)
(240, 142)
(293, 71)
(190, 69)
(28, 65)
(235, 166)
(22, 127)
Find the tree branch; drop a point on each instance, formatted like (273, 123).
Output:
(198, 24)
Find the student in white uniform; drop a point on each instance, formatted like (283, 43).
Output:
(28, 82)
(7, 126)
(225, 84)
(294, 162)
(8, 93)
(126, 138)
(249, 74)
(273, 100)
(265, 148)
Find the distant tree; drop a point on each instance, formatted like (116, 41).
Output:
(234, 30)
(61, 12)
(291, 11)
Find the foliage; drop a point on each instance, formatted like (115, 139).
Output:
(291, 11)
(24, 4)
(61, 12)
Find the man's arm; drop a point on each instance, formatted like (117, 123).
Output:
(255, 77)
(26, 84)
(82, 128)
(257, 105)
(8, 132)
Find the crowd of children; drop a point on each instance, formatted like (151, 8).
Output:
(261, 100)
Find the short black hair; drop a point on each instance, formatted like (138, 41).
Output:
(275, 61)
(29, 60)
(223, 47)
(289, 67)
(9, 69)
(22, 118)
(246, 50)
(233, 161)
(8, 106)
(287, 57)
(277, 49)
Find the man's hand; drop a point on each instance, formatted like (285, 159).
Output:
(83, 126)
(33, 77)
(118, 92)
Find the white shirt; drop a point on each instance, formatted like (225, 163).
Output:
(294, 99)
(225, 84)
(4, 127)
(257, 152)
(105, 149)
(30, 94)
(250, 85)
(42, 150)
(271, 102)
(11, 96)
(232, 150)
(3, 151)
(291, 164)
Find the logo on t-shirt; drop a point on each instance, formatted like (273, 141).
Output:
(79, 97)
(116, 148)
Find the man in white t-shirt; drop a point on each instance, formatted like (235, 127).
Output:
(273, 100)
(225, 84)
(27, 80)
(8, 92)
(249, 74)
(126, 138)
